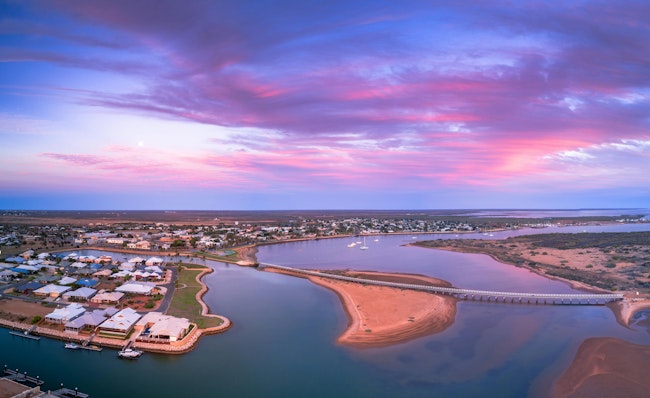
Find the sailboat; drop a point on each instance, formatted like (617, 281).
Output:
(364, 247)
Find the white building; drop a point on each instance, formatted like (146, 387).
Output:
(145, 288)
(120, 324)
(65, 314)
(162, 328)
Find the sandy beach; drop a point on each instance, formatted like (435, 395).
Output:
(606, 367)
(380, 316)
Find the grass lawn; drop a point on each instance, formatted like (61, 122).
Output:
(234, 257)
(184, 302)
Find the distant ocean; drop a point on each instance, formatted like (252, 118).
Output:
(558, 213)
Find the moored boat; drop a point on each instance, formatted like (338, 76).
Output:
(129, 353)
(71, 346)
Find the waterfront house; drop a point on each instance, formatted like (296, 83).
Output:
(89, 320)
(51, 290)
(120, 324)
(136, 260)
(82, 294)
(161, 328)
(157, 261)
(65, 314)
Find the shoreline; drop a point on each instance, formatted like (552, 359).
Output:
(623, 310)
(187, 344)
(381, 316)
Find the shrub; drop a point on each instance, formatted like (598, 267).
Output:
(36, 319)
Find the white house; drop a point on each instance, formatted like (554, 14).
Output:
(89, 320)
(161, 327)
(120, 324)
(81, 294)
(65, 314)
(136, 288)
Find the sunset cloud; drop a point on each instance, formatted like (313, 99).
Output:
(361, 98)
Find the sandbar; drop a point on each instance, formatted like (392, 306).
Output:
(606, 367)
(380, 316)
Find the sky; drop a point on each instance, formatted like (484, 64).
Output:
(262, 105)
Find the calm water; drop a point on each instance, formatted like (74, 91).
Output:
(282, 340)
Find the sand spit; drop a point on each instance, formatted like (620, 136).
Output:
(380, 316)
(625, 310)
(606, 367)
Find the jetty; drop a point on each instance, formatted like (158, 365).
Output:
(26, 334)
(471, 294)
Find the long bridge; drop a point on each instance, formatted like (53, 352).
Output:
(470, 294)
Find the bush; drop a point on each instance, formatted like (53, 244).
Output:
(36, 319)
(150, 304)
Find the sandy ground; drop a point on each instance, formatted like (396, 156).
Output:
(625, 310)
(380, 316)
(247, 254)
(606, 367)
(13, 309)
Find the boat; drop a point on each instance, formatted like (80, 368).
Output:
(92, 348)
(364, 247)
(71, 346)
(353, 244)
(129, 353)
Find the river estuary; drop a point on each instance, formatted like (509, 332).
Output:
(282, 343)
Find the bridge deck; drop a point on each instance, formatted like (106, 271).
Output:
(471, 294)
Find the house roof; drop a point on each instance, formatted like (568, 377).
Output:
(70, 312)
(123, 320)
(136, 288)
(92, 318)
(49, 289)
(164, 325)
(87, 282)
(66, 280)
(28, 286)
(83, 292)
(108, 296)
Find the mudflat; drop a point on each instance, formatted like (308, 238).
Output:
(606, 367)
